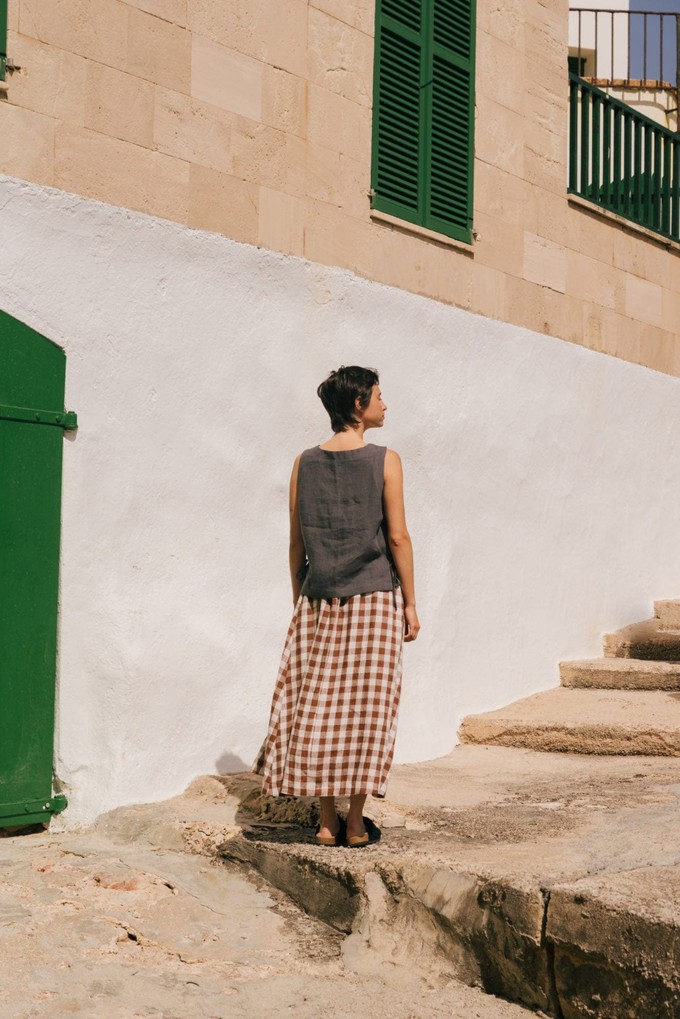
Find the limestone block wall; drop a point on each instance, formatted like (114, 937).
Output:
(255, 121)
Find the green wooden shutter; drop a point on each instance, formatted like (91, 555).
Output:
(3, 39)
(398, 113)
(424, 113)
(32, 419)
(450, 174)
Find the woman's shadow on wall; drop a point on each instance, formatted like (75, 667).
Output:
(229, 763)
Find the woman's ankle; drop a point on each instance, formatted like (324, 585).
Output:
(328, 815)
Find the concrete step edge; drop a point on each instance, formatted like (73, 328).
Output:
(620, 673)
(632, 664)
(516, 939)
(573, 737)
(643, 640)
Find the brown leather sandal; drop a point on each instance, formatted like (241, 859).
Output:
(332, 840)
(369, 838)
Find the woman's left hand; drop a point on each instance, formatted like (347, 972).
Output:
(411, 623)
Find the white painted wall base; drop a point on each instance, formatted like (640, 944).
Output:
(543, 482)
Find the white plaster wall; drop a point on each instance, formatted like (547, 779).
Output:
(542, 481)
(659, 106)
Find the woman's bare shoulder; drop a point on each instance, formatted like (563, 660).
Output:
(304, 453)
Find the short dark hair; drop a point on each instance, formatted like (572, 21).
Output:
(340, 390)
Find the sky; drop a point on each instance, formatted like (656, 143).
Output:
(656, 68)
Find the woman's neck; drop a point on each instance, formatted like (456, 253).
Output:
(351, 438)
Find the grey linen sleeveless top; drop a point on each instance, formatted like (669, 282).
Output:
(341, 514)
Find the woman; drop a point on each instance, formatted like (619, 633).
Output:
(334, 712)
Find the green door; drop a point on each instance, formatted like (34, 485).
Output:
(32, 420)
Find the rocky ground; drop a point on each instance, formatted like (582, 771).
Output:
(137, 918)
(551, 879)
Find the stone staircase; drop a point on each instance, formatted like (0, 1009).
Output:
(551, 881)
(627, 702)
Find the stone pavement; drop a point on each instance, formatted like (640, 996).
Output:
(137, 917)
(553, 880)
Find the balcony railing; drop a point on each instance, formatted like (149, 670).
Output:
(622, 161)
(639, 49)
(3, 39)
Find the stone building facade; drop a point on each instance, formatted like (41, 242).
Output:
(256, 123)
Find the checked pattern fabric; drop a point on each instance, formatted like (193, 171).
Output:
(334, 712)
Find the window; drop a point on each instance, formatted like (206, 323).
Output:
(423, 117)
(3, 39)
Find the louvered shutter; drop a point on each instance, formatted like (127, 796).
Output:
(423, 113)
(398, 108)
(451, 119)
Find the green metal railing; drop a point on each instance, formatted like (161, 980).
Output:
(622, 161)
(3, 39)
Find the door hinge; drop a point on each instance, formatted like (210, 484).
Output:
(66, 419)
(14, 815)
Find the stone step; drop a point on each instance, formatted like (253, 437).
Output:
(668, 614)
(645, 640)
(584, 722)
(551, 882)
(593, 943)
(403, 911)
(620, 674)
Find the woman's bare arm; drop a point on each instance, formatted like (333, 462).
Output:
(296, 547)
(399, 539)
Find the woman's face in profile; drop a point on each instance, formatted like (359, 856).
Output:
(374, 414)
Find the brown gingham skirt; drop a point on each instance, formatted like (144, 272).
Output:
(334, 712)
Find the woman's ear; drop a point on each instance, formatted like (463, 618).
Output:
(358, 409)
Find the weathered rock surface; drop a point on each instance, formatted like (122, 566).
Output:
(668, 614)
(620, 674)
(617, 944)
(551, 880)
(648, 639)
(135, 918)
(498, 861)
(584, 721)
